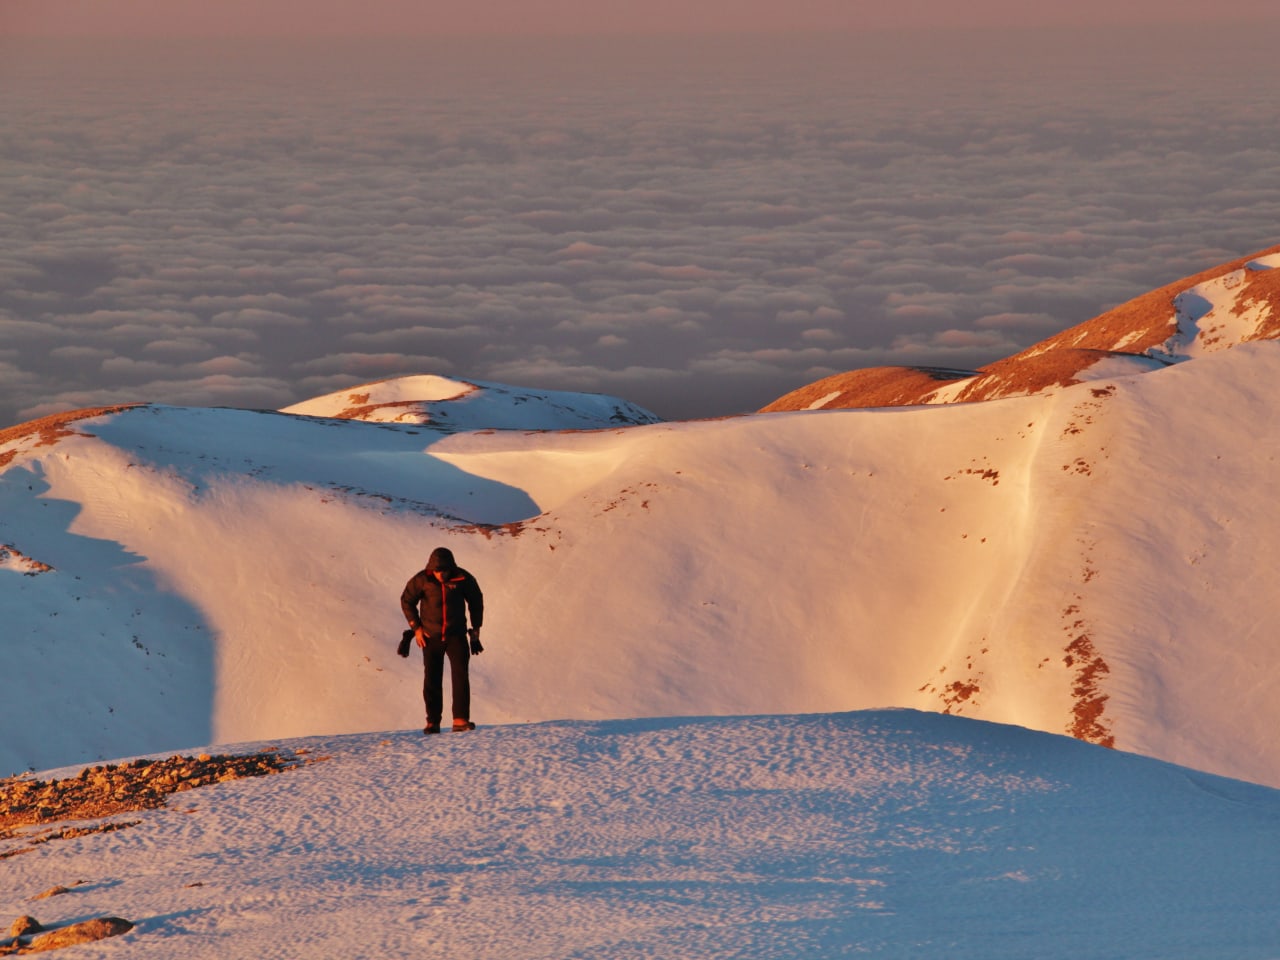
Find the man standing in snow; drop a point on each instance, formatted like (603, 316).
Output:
(435, 602)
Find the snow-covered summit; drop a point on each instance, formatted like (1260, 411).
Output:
(1214, 310)
(456, 405)
(877, 834)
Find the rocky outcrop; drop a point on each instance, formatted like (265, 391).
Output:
(105, 791)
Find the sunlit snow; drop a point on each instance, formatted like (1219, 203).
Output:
(692, 632)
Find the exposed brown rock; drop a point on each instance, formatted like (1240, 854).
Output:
(1089, 702)
(51, 892)
(105, 791)
(87, 931)
(1028, 373)
(871, 387)
(366, 411)
(24, 926)
(11, 555)
(1262, 287)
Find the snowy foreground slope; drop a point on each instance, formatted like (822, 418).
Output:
(883, 834)
(1099, 560)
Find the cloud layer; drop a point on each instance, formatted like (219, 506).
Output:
(698, 227)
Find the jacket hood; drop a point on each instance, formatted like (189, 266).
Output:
(441, 559)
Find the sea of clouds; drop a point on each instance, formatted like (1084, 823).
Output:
(696, 225)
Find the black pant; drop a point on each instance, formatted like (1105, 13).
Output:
(433, 654)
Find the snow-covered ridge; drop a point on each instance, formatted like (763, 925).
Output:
(450, 406)
(1214, 310)
(1093, 561)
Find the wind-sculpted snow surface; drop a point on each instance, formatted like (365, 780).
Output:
(882, 834)
(1096, 561)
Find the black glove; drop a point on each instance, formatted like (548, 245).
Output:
(406, 638)
(476, 648)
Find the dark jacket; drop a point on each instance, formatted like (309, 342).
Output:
(440, 608)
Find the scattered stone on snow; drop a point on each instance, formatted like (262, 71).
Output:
(51, 892)
(24, 926)
(86, 931)
(108, 790)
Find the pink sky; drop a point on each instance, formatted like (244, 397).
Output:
(452, 17)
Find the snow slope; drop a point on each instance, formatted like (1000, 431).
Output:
(1095, 561)
(883, 834)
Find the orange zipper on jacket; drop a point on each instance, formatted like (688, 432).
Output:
(444, 613)
(444, 608)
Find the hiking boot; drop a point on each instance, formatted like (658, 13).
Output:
(431, 728)
(462, 726)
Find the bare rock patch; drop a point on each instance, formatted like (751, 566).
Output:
(108, 790)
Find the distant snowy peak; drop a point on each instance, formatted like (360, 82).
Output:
(1214, 310)
(453, 406)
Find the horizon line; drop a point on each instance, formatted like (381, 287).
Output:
(693, 32)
